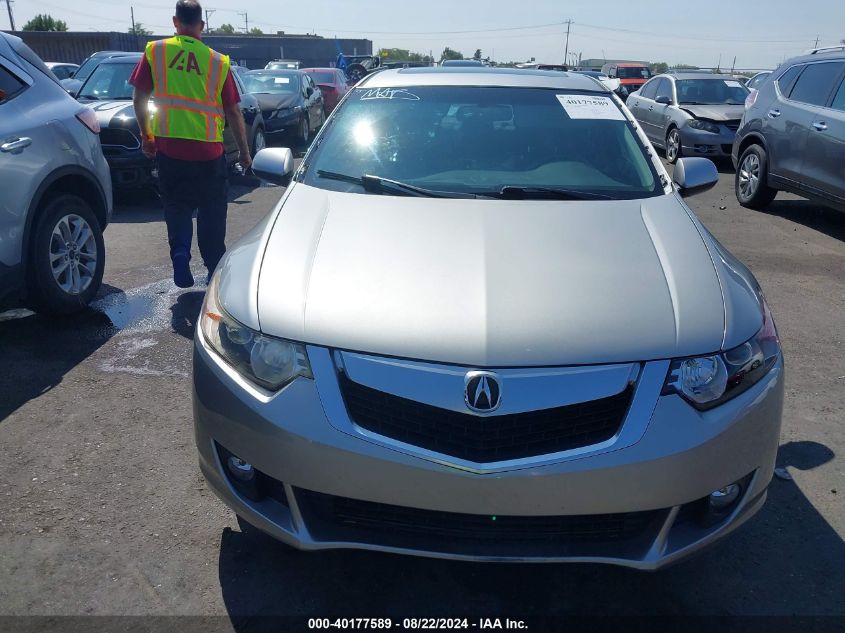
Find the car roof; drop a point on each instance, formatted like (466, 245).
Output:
(319, 70)
(697, 75)
(125, 58)
(836, 53)
(481, 76)
(276, 71)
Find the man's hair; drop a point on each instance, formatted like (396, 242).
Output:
(189, 12)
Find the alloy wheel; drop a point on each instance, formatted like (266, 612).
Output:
(73, 254)
(260, 142)
(673, 144)
(749, 176)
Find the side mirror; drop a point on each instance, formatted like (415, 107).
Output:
(275, 165)
(309, 91)
(663, 100)
(694, 175)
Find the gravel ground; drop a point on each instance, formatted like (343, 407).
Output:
(103, 510)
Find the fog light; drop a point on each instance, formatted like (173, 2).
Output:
(241, 470)
(724, 497)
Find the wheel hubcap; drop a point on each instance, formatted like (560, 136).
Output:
(749, 176)
(672, 145)
(73, 254)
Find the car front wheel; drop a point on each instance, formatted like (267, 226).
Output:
(750, 180)
(673, 145)
(67, 258)
(259, 141)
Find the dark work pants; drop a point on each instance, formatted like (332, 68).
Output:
(189, 185)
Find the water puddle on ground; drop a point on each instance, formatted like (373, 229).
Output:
(149, 323)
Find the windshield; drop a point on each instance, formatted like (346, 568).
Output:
(87, 68)
(322, 78)
(481, 140)
(633, 72)
(711, 92)
(108, 81)
(271, 83)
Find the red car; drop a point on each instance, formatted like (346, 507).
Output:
(332, 83)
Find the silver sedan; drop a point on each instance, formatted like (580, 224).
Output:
(690, 114)
(483, 324)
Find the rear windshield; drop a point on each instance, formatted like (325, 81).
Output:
(479, 140)
(322, 78)
(711, 92)
(633, 72)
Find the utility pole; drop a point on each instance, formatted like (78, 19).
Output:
(245, 16)
(132, 12)
(816, 45)
(208, 14)
(566, 51)
(11, 17)
(733, 65)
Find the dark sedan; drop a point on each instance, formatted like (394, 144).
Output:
(108, 92)
(290, 102)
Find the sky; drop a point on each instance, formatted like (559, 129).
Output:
(760, 35)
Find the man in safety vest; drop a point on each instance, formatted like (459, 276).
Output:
(193, 95)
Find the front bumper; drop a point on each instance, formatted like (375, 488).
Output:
(681, 457)
(702, 143)
(130, 169)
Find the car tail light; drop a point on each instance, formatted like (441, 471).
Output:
(751, 99)
(89, 119)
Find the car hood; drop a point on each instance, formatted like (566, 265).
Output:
(715, 112)
(108, 111)
(489, 283)
(276, 102)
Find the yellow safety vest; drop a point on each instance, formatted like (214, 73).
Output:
(188, 79)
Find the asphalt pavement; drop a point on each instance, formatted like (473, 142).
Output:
(103, 510)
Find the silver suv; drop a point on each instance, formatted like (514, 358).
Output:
(793, 132)
(56, 189)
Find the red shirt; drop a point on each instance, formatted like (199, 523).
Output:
(179, 148)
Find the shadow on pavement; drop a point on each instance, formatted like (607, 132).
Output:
(787, 560)
(812, 215)
(186, 313)
(38, 352)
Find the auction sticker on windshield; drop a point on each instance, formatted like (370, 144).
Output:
(585, 107)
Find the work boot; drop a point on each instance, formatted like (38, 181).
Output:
(182, 276)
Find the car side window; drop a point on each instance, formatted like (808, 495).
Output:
(649, 91)
(663, 88)
(787, 80)
(816, 83)
(839, 100)
(10, 86)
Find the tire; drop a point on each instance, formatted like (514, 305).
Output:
(259, 140)
(67, 258)
(304, 133)
(752, 172)
(356, 72)
(674, 148)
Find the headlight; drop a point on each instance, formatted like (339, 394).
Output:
(708, 381)
(269, 362)
(704, 125)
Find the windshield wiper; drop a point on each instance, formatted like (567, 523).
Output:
(510, 192)
(377, 184)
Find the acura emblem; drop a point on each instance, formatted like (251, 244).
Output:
(482, 391)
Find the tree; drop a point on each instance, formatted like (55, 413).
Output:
(402, 55)
(45, 22)
(224, 29)
(658, 68)
(256, 31)
(477, 55)
(139, 29)
(448, 53)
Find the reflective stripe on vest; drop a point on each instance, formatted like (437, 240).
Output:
(188, 80)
